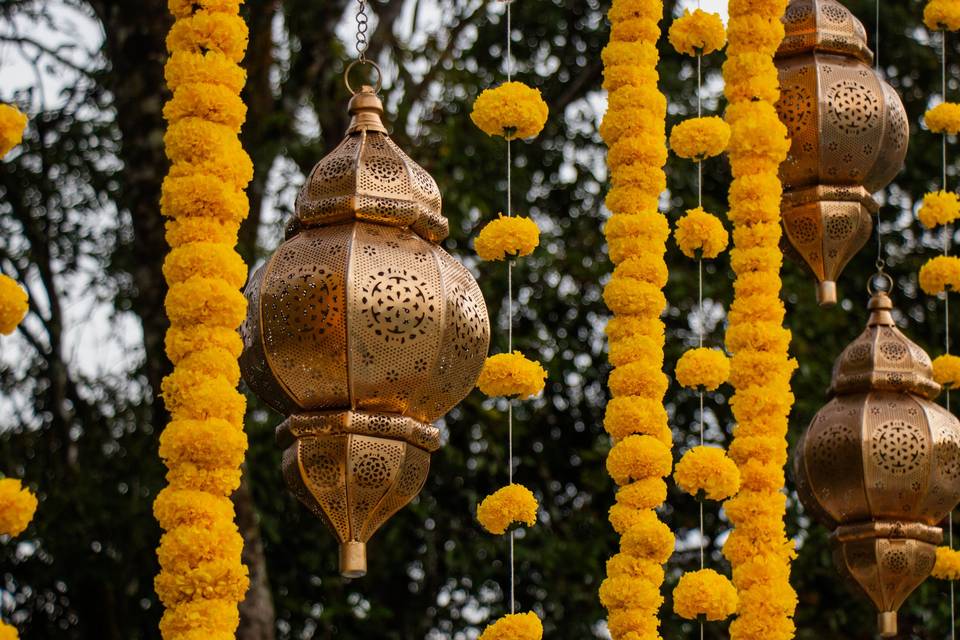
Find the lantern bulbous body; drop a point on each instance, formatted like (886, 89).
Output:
(849, 133)
(363, 331)
(880, 464)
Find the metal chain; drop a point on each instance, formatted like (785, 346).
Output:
(362, 25)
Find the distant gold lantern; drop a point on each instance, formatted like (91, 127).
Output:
(880, 464)
(850, 134)
(363, 331)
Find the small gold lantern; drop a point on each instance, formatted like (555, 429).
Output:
(880, 464)
(849, 135)
(363, 331)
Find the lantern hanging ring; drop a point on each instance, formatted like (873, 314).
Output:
(371, 63)
(876, 279)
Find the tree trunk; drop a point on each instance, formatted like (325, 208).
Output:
(257, 616)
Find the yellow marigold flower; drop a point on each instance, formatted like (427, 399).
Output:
(755, 33)
(703, 368)
(17, 506)
(756, 475)
(948, 564)
(705, 593)
(760, 236)
(626, 592)
(630, 296)
(199, 397)
(760, 134)
(707, 472)
(635, 30)
(751, 76)
(624, 10)
(206, 443)
(516, 626)
(942, 15)
(633, 149)
(638, 379)
(209, 31)
(633, 624)
(211, 362)
(941, 207)
(642, 54)
(212, 102)
(208, 301)
(697, 33)
(700, 138)
(623, 564)
(511, 374)
(639, 457)
(186, 547)
(761, 624)
(512, 110)
(760, 368)
(201, 229)
(760, 336)
(180, 507)
(13, 304)
(635, 348)
(765, 449)
(12, 124)
(220, 481)
(181, 341)
(185, 8)
(196, 140)
(643, 494)
(205, 260)
(647, 266)
(700, 234)
(944, 118)
(511, 504)
(8, 632)
(940, 274)
(215, 579)
(626, 326)
(946, 370)
(212, 619)
(212, 67)
(507, 237)
(628, 415)
(649, 539)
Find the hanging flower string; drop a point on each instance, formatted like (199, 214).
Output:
(704, 472)
(636, 234)
(511, 111)
(760, 371)
(942, 274)
(201, 576)
(17, 503)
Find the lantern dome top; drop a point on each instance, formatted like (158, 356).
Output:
(824, 25)
(369, 178)
(882, 358)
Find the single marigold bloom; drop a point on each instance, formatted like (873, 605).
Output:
(511, 504)
(643, 494)
(12, 124)
(649, 539)
(940, 207)
(697, 33)
(700, 234)
(184, 8)
(946, 370)
(705, 593)
(638, 457)
(703, 368)
(505, 237)
(707, 472)
(8, 632)
(13, 304)
(947, 566)
(516, 626)
(633, 624)
(942, 15)
(627, 592)
(511, 374)
(17, 506)
(700, 138)
(512, 110)
(940, 274)
(944, 118)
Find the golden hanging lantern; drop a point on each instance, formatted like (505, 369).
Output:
(849, 135)
(880, 464)
(363, 331)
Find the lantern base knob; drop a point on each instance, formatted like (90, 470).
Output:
(827, 293)
(887, 621)
(353, 559)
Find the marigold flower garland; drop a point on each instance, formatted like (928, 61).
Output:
(17, 503)
(942, 274)
(760, 372)
(512, 110)
(703, 472)
(202, 577)
(634, 130)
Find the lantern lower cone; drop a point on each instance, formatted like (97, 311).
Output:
(354, 470)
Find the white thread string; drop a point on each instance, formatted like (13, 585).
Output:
(513, 581)
(700, 319)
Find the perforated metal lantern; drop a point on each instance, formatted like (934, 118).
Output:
(849, 134)
(363, 331)
(880, 464)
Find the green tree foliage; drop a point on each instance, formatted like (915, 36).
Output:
(79, 222)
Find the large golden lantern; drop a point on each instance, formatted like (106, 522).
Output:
(880, 464)
(363, 331)
(849, 131)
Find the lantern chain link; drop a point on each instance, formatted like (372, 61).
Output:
(363, 24)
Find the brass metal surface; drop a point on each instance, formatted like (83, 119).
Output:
(363, 331)
(849, 133)
(880, 464)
